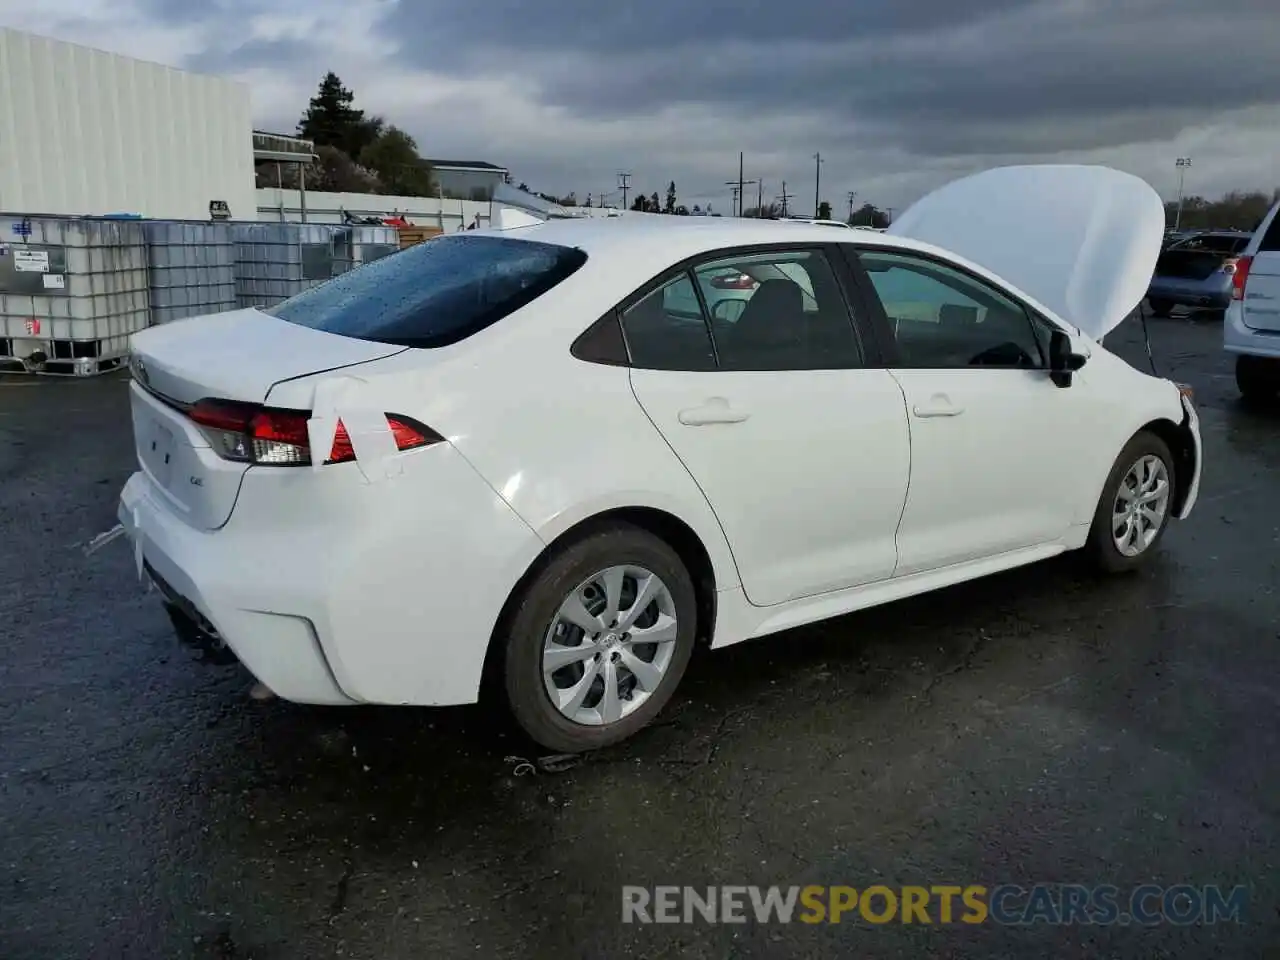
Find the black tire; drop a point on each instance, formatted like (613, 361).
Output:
(1160, 308)
(1257, 378)
(524, 632)
(1100, 548)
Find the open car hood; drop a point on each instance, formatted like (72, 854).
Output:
(512, 207)
(1082, 240)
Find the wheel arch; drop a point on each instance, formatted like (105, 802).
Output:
(1181, 443)
(666, 526)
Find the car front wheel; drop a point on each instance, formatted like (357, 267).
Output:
(599, 639)
(1134, 509)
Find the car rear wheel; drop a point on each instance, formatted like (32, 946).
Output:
(1136, 504)
(599, 639)
(1258, 378)
(1160, 308)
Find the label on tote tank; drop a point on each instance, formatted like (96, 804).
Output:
(31, 261)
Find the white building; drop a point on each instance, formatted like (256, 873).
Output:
(88, 132)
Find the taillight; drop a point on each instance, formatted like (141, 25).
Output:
(407, 433)
(1240, 276)
(248, 433)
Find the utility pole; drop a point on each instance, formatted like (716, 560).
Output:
(733, 192)
(1181, 163)
(760, 198)
(737, 186)
(817, 181)
(741, 183)
(783, 198)
(853, 194)
(889, 213)
(624, 182)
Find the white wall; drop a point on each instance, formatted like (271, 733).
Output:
(88, 132)
(275, 204)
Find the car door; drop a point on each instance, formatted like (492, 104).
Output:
(995, 445)
(799, 445)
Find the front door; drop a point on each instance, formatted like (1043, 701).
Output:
(801, 449)
(995, 451)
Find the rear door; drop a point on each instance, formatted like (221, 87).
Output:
(1262, 290)
(782, 416)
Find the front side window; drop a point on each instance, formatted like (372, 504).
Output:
(944, 318)
(434, 293)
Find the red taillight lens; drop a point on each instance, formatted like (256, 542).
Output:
(251, 434)
(1240, 277)
(408, 435)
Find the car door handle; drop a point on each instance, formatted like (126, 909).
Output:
(937, 407)
(715, 410)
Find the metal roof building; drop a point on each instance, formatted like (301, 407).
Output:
(88, 132)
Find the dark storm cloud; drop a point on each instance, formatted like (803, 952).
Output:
(633, 26)
(934, 77)
(1038, 77)
(891, 85)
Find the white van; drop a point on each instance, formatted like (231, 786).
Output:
(1252, 326)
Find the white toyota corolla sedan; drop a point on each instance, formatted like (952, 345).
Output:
(549, 461)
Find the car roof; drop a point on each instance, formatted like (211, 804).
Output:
(674, 238)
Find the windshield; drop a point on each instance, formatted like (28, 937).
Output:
(435, 293)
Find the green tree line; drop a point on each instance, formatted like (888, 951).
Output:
(355, 153)
(1237, 210)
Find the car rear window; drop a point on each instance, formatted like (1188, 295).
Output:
(434, 293)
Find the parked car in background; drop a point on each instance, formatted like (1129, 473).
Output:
(1251, 330)
(1197, 271)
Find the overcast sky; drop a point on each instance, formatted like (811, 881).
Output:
(896, 95)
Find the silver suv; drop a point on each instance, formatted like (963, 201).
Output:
(1252, 326)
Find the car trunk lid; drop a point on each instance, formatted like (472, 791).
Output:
(1081, 240)
(236, 356)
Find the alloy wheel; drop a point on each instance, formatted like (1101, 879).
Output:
(609, 645)
(1141, 505)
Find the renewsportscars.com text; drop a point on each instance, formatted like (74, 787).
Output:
(1006, 904)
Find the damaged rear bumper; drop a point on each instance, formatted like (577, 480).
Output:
(188, 569)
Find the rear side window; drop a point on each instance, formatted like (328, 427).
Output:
(1271, 239)
(434, 293)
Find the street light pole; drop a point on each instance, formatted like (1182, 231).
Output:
(817, 181)
(1181, 163)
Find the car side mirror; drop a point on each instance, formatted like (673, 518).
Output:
(1063, 361)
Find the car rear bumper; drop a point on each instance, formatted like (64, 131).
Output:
(381, 592)
(1239, 338)
(1214, 293)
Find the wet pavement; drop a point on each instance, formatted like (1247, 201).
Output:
(1036, 726)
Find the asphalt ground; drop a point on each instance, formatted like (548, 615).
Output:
(1038, 726)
